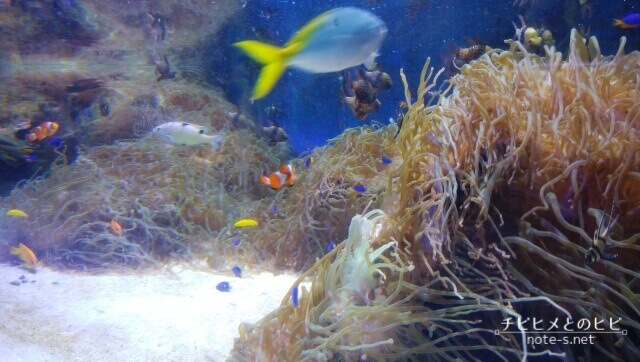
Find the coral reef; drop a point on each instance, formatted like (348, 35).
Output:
(488, 219)
(96, 75)
(167, 199)
(106, 96)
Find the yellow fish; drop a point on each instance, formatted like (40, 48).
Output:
(333, 41)
(24, 253)
(16, 212)
(245, 223)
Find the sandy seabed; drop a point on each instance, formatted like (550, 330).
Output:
(67, 316)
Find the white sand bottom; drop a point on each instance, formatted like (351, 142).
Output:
(151, 317)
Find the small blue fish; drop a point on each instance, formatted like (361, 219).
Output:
(359, 188)
(55, 142)
(31, 158)
(236, 243)
(629, 21)
(274, 210)
(386, 160)
(237, 271)
(294, 296)
(331, 246)
(223, 287)
(308, 161)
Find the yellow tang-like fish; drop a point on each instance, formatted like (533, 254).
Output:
(26, 254)
(16, 212)
(245, 223)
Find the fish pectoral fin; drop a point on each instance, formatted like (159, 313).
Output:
(268, 78)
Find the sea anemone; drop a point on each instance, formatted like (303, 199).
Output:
(488, 215)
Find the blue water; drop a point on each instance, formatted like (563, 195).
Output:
(417, 29)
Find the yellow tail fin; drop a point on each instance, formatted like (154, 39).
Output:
(622, 24)
(271, 57)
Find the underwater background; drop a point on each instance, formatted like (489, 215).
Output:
(417, 30)
(484, 171)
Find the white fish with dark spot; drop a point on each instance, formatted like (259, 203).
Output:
(187, 134)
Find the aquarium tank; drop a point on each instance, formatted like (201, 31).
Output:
(277, 180)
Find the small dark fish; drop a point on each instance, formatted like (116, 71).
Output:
(81, 85)
(55, 142)
(223, 287)
(294, 296)
(237, 271)
(399, 120)
(158, 20)
(359, 188)
(103, 104)
(386, 160)
(274, 210)
(331, 246)
(236, 243)
(273, 111)
(602, 239)
(164, 69)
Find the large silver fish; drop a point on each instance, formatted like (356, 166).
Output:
(333, 41)
(184, 133)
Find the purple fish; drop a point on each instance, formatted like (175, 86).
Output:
(237, 271)
(236, 243)
(31, 158)
(223, 287)
(629, 21)
(294, 296)
(330, 246)
(359, 188)
(385, 160)
(55, 142)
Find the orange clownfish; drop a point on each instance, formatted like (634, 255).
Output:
(27, 256)
(45, 129)
(284, 176)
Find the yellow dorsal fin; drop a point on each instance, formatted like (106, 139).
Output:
(302, 36)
